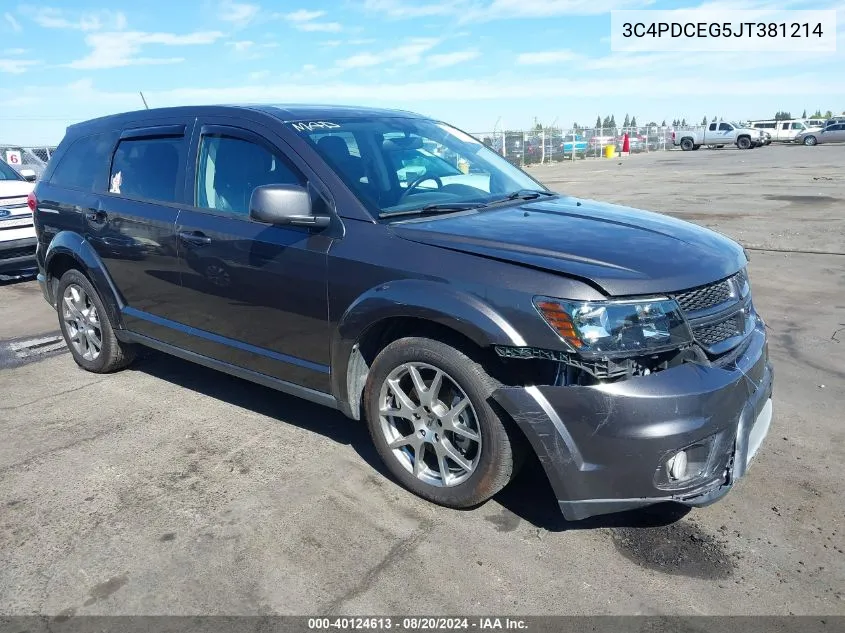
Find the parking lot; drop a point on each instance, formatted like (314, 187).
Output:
(171, 489)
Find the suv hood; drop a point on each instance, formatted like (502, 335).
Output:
(624, 251)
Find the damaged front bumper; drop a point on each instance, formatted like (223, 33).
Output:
(608, 448)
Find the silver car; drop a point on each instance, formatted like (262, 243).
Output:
(834, 132)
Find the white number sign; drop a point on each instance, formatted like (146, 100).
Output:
(13, 157)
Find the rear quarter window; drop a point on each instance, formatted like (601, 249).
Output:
(148, 168)
(85, 164)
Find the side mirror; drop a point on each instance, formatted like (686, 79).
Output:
(285, 204)
(29, 175)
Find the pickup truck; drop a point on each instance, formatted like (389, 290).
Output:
(717, 133)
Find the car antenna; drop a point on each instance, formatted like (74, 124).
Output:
(144, 100)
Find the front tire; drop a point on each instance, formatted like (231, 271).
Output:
(743, 142)
(429, 414)
(809, 141)
(85, 325)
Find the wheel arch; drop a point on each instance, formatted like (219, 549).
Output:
(411, 307)
(69, 250)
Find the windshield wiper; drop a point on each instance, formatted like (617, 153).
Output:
(525, 194)
(434, 209)
(447, 207)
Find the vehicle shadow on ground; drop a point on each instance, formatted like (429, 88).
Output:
(529, 496)
(16, 278)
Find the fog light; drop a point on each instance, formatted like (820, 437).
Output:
(676, 467)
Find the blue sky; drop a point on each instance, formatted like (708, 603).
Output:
(471, 62)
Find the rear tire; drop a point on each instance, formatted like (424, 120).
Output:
(86, 327)
(687, 144)
(468, 454)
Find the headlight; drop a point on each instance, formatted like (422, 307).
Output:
(610, 328)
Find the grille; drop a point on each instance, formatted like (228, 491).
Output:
(705, 297)
(714, 333)
(13, 202)
(17, 252)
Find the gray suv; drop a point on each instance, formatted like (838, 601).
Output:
(395, 268)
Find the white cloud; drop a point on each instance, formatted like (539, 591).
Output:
(303, 15)
(320, 27)
(546, 57)
(485, 10)
(451, 59)
(241, 46)
(403, 9)
(305, 20)
(409, 53)
(354, 42)
(477, 89)
(551, 8)
(12, 22)
(116, 49)
(361, 60)
(237, 13)
(16, 66)
(51, 18)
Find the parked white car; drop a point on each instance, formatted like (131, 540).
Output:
(17, 233)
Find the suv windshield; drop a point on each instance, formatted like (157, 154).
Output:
(7, 173)
(401, 165)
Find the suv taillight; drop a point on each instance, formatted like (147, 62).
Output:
(32, 201)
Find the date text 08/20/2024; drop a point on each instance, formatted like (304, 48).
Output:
(416, 623)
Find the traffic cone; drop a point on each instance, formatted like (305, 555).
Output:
(626, 145)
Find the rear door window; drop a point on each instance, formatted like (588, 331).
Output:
(147, 168)
(85, 165)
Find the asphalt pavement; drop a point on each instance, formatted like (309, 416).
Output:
(171, 489)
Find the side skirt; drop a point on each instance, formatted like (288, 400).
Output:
(318, 397)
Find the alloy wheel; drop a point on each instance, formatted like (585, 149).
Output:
(82, 322)
(429, 424)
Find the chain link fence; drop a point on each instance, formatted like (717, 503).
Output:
(554, 144)
(34, 158)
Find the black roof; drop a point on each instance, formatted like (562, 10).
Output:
(298, 112)
(284, 112)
